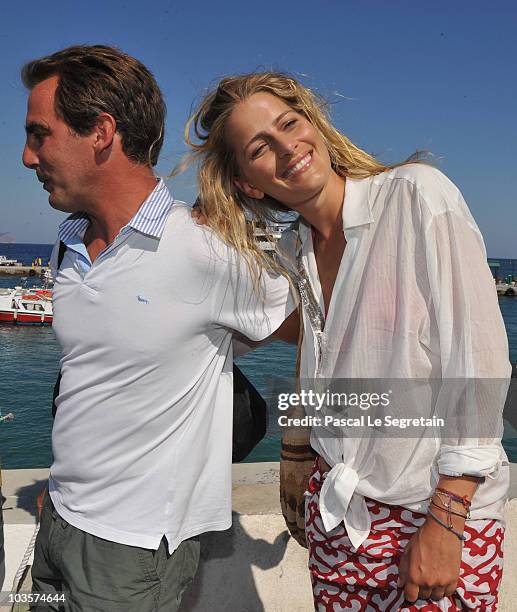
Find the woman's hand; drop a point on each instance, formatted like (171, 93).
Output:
(430, 565)
(198, 216)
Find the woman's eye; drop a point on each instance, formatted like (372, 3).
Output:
(290, 123)
(258, 151)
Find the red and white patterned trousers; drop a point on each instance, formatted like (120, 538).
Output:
(366, 580)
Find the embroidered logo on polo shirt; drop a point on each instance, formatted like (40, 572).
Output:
(143, 299)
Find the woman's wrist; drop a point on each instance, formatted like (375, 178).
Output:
(453, 519)
(443, 528)
(449, 509)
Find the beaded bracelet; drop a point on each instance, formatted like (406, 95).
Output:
(459, 535)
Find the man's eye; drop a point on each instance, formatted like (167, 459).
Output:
(37, 138)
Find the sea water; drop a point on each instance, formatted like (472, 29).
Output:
(29, 363)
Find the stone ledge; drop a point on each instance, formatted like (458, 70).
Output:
(254, 564)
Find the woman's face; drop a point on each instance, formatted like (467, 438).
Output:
(278, 152)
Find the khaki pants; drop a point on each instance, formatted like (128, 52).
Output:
(97, 575)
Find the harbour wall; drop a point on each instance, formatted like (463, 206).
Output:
(254, 566)
(23, 270)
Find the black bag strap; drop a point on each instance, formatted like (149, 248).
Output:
(60, 255)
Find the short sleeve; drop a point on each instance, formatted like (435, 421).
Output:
(254, 304)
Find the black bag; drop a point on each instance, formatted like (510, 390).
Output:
(249, 416)
(249, 407)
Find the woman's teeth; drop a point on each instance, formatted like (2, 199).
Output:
(301, 164)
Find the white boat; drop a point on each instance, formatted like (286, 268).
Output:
(267, 239)
(26, 306)
(4, 261)
(508, 289)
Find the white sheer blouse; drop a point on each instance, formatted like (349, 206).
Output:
(413, 299)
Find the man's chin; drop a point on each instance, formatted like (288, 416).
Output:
(53, 202)
(57, 204)
(64, 202)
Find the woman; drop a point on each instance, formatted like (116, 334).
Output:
(394, 285)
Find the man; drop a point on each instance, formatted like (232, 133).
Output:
(144, 304)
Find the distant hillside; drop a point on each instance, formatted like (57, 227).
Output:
(6, 238)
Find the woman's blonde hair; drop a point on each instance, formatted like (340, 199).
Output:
(223, 204)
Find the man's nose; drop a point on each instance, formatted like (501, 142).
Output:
(29, 157)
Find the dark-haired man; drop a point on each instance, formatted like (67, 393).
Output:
(144, 304)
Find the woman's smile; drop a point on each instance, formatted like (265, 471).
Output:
(279, 153)
(298, 166)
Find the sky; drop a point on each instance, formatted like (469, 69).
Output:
(399, 76)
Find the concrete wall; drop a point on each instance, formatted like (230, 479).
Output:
(254, 566)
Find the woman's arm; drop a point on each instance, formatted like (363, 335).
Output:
(430, 565)
(288, 332)
(473, 354)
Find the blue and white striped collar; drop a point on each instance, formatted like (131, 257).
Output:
(149, 219)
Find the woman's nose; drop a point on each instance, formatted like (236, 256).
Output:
(286, 145)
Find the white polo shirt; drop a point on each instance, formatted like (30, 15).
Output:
(142, 438)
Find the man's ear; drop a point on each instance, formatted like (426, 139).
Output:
(247, 188)
(104, 130)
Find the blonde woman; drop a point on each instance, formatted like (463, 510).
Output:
(394, 284)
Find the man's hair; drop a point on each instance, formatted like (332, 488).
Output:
(100, 79)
